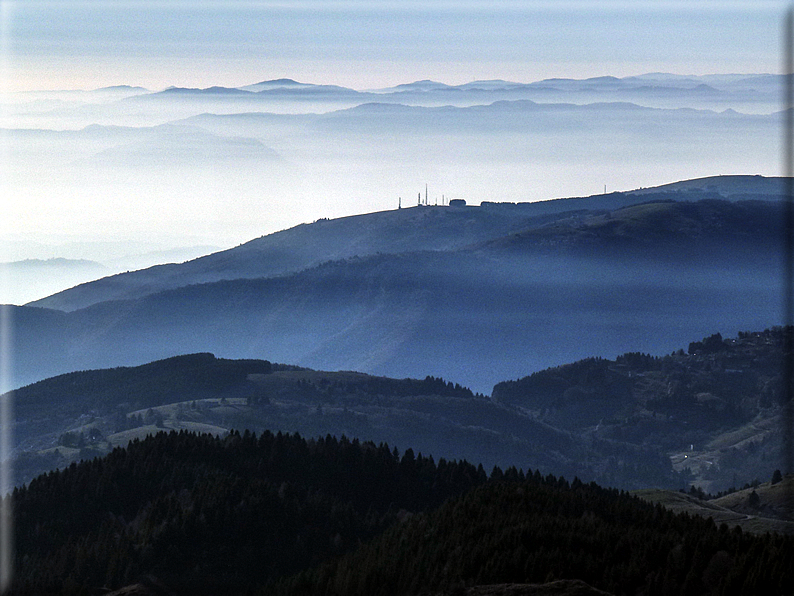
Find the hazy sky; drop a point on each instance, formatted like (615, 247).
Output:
(364, 44)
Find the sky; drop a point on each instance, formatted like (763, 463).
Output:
(363, 44)
(369, 44)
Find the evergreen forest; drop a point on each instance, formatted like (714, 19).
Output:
(281, 514)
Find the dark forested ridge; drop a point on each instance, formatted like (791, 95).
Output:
(198, 514)
(211, 515)
(153, 384)
(544, 528)
(274, 513)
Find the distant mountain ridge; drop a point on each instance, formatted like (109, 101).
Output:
(669, 229)
(397, 231)
(746, 93)
(473, 293)
(746, 187)
(650, 89)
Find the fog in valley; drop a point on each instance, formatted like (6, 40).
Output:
(119, 176)
(215, 165)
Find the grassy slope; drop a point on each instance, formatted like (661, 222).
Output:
(734, 509)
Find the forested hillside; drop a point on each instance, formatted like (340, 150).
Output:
(211, 515)
(715, 408)
(709, 415)
(84, 414)
(539, 529)
(272, 514)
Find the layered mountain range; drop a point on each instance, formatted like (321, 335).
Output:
(219, 166)
(562, 335)
(751, 93)
(710, 415)
(479, 294)
(475, 294)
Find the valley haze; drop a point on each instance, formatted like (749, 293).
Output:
(218, 166)
(478, 294)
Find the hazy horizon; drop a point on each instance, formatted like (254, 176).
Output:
(366, 45)
(107, 176)
(102, 165)
(56, 192)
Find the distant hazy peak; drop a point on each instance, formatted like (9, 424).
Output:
(209, 90)
(283, 83)
(53, 262)
(122, 88)
(423, 85)
(725, 185)
(490, 84)
(603, 79)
